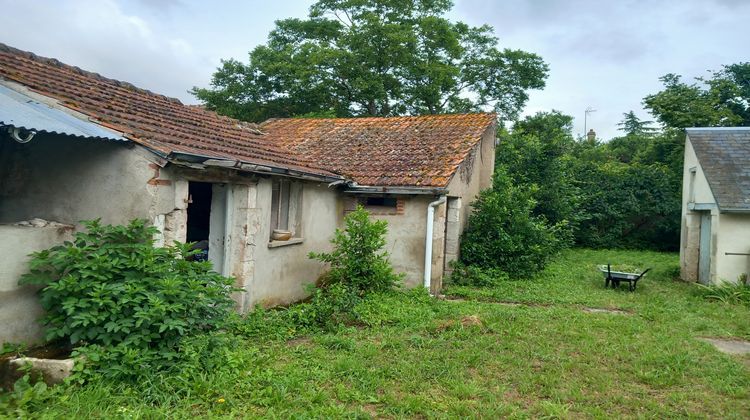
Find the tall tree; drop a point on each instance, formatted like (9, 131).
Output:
(721, 100)
(634, 126)
(536, 154)
(375, 58)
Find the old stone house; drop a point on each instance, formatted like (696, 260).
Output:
(76, 146)
(715, 235)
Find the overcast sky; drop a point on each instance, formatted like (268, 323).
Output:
(602, 54)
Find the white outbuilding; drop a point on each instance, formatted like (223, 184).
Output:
(715, 236)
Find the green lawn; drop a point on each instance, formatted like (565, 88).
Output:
(429, 358)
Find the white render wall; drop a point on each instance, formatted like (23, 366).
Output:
(733, 238)
(19, 305)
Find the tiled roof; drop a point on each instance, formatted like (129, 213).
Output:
(161, 123)
(724, 156)
(422, 151)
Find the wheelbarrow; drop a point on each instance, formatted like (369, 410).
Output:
(615, 277)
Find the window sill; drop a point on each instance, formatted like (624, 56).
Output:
(292, 241)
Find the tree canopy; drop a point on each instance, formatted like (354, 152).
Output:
(375, 58)
(631, 125)
(722, 100)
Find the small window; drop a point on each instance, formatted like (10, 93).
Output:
(280, 205)
(380, 202)
(382, 205)
(286, 206)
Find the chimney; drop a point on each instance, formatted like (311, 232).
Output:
(591, 135)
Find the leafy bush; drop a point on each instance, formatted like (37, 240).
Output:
(629, 205)
(111, 287)
(359, 267)
(358, 261)
(503, 233)
(472, 275)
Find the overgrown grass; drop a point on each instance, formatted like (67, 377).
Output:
(413, 356)
(732, 293)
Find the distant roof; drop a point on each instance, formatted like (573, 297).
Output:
(22, 111)
(724, 155)
(422, 151)
(158, 122)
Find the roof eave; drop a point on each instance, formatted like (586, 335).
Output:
(195, 160)
(394, 190)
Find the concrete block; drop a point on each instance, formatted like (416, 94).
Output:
(175, 226)
(53, 371)
(454, 215)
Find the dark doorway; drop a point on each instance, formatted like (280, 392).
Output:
(199, 212)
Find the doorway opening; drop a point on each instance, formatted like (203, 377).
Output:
(199, 217)
(704, 249)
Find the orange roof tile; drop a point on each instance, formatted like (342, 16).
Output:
(422, 151)
(161, 123)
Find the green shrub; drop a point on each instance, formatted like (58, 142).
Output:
(504, 234)
(358, 261)
(730, 293)
(472, 275)
(358, 267)
(111, 287)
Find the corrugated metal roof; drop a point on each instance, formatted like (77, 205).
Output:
(23, 111)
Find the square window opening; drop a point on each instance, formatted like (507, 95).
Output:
(380, 202)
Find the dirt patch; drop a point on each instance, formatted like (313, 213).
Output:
(371, 409)
(470, 320)
(301, 341)
(606, 311)
(496, 302)
(451, 298)
(729, 345)
(444, 325)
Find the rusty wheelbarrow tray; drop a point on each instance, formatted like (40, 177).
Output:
(615, 277)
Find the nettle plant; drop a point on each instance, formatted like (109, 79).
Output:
(111, 286)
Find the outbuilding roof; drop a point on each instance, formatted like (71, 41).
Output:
(724, 156)
(158, 122)
(20, 110)
(423, 151)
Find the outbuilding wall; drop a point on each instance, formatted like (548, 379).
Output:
(64, 180)
(19, 305)
(473, 176)
(282, 272)
(695, 189)
(733, 247)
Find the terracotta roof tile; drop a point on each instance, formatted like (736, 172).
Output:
(397, 151)
(161, 123)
